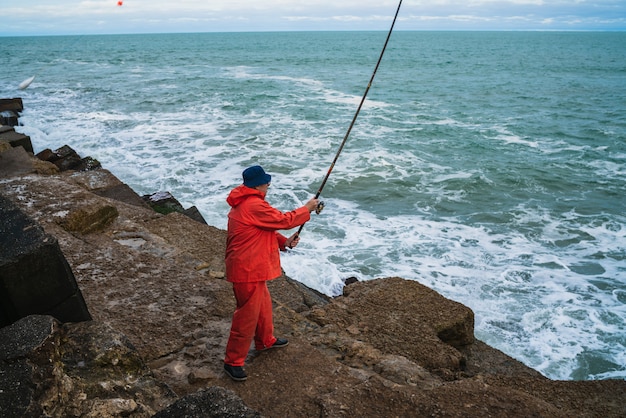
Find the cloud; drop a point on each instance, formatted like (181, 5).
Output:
(144, 16)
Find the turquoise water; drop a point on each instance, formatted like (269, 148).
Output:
(489, 166)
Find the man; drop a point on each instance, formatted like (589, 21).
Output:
(252, 258)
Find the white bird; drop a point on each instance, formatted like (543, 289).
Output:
(26, 83)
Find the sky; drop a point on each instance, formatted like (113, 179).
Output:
(66, 17)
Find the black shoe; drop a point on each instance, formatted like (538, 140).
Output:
(280, 342)
(236, 373)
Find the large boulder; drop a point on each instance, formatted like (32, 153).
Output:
(387, 315)
(35, 277)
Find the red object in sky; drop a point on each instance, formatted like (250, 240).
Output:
(119, 3)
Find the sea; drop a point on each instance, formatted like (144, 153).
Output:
(489, 166)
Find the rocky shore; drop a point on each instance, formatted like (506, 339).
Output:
(153, 282)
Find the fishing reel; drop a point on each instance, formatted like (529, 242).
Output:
(320, 207)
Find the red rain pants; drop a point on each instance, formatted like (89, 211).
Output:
(252, 320)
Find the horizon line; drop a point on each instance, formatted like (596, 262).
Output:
(10, 35)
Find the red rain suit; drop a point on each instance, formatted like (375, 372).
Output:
(252, 258)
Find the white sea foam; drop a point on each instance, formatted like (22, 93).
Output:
(510, 138)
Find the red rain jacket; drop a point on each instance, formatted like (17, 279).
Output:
(252, 245)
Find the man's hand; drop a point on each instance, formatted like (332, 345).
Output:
(292, 241)
(311, 205)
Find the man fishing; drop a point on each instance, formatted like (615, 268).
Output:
(252, 255)
(253, 258)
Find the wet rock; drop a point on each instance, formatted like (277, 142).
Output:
(46, 155)
(10, 110)
(8, 117)
(123, 193)
(66, 159)
(350, 280)
(210, 402)
(15, 104)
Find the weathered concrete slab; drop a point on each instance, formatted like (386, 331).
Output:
(8, 117)
(17, 139)
(15, 162)
(35, 278)
(15, 104)
(103, 183)
(194, 214)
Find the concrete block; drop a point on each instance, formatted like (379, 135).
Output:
(35, 277)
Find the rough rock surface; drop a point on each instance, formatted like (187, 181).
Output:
(212, 402)
(388, 347)
(82, 369)
(35, 277)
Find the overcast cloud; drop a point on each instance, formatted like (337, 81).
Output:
(47, 17)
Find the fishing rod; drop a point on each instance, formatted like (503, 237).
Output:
(345, 138)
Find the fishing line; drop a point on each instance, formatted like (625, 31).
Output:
(356, 114)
